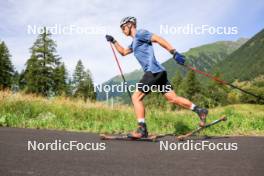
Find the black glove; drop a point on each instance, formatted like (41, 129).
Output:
(109, 38)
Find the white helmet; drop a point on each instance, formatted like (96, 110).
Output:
(128, 19)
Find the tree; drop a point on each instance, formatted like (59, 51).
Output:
(255, 86)
(176, 82)
(78, 76)
(60, 77)
(216, 93)
(82, 83)
(190, 86)
(78, 73)
(32, 75)
(44, 74)
(87, 87)
(6, 67)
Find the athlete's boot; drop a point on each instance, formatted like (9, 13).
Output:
(202, 113)
(141, 131)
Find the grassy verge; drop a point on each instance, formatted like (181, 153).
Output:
(28, 111)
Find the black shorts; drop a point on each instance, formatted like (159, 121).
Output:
(154, 82)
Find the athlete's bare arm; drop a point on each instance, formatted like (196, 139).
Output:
(123, 51)
(162, 42)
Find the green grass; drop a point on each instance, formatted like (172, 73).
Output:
(26, 111)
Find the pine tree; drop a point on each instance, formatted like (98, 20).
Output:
(190, 86)
(83, 83)
(87, 87)
(216, 93)
(78, 76)
(176, 81)
(60, 77)
(78, 72)
(32, 75)
(42, 67)
(176, 84)
(6, 67)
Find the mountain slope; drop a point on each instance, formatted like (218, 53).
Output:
(247, 62)
(205, 57)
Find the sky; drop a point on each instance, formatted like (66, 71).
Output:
(99, 17)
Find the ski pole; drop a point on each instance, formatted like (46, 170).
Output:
(121, 72)
(222, 81)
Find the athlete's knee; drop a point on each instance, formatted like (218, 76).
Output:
(136, 97)
(170, 96)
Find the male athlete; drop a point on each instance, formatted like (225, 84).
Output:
(154, 73)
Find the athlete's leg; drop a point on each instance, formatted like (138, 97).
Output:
(137, 99)
(174, 99)
(141, 131)
(201, 112)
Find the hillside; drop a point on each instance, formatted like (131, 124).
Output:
(245, 63)
(205, 57)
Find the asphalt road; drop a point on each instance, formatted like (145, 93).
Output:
(124, 158)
